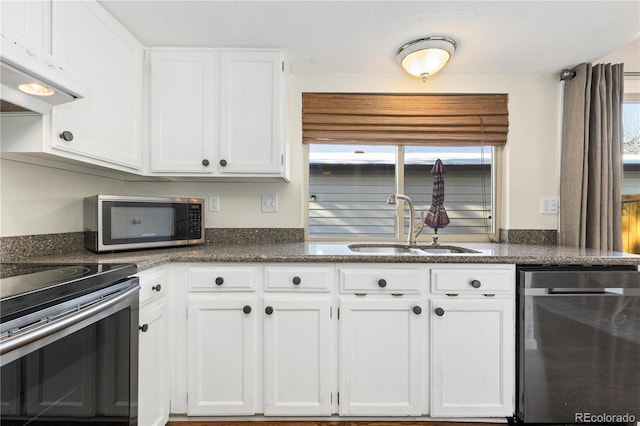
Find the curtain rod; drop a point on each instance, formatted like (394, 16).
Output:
(571, 74)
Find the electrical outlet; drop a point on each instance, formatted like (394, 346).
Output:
(269, 203)
(549, 205)
(214, 203)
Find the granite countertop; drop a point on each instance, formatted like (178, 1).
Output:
(335, 252)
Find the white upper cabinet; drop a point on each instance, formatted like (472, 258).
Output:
(216, 112)
(252, 112)
(29, 21)
(184, 111)
(104, 127)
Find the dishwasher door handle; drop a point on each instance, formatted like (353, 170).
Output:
(559, 291)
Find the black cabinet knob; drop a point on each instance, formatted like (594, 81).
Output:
(66, 135)
(268, 310)
(476, 284)
(223, 162)
(205, 162)
(439, 312)
(417, 310)
(296, 280)
(246, 309)
(144, 328)
(219, 281)
(157, 287)
(382, 282)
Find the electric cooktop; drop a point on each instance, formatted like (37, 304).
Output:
(25, 287)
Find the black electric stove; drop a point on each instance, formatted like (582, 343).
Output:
(30, 287)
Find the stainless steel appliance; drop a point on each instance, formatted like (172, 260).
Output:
(68, 344)
(116, 222)
(578, 344)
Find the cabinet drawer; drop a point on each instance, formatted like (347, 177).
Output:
(220, 278)
(472, 280)
(382, 280)
(153, 284)
(298, 278)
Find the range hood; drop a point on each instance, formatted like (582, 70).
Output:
(21, 64)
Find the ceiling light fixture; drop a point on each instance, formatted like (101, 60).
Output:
(36, 89)
(425, 56)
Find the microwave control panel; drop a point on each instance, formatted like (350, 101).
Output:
(195, 221)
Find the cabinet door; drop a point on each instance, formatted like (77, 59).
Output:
(221, 356)
(252, 112)
(153, 368)
(106, 123)
(29, 21)
(184, 113)
(472, 357)
(381, 356)
(297, 357)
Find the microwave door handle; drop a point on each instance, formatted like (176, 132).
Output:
(23, 339)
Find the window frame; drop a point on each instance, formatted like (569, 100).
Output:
(425, 236)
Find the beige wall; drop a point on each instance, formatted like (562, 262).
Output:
(37, 200)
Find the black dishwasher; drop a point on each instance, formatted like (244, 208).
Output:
(578, 344)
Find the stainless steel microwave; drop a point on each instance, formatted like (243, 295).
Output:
(118, 222)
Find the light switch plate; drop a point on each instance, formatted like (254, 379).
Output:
(269, 203)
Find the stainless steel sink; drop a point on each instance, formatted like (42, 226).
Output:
(400, 249)
(445, 249)
(384, 249)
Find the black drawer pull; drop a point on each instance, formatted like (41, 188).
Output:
(476, 284)
(417, 310)
(439, 312)
(296, 280)
(223, 162)
(382, 282)
(219, 281)
(144, 328)
(268, 310)
(157, 287)
(246, 309)
(205, 162)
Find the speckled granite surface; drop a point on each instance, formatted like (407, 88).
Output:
(339, 253)
(40, 245)
(529, 236)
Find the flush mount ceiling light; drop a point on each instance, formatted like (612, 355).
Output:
(425, 56)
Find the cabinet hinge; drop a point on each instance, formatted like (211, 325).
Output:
(330, 311)
(281, 160)
(331, 398)
(282, 66)
(338, 398)
(338, 317)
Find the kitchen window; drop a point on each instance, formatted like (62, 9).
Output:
(349, 186)
(363, 147)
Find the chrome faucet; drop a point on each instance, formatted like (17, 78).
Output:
(414, 229)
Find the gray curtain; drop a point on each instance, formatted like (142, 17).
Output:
(591, 165)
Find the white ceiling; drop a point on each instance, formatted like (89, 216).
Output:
(362, 36)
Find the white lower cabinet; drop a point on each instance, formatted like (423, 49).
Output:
(381, 356)
(297, 356)
(153, 349)
(473, 342)
(153, 391)
(319, 339)
(221, 354)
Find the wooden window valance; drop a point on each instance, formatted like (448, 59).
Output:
(405, 119)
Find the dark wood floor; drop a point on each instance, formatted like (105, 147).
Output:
(327, 423)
